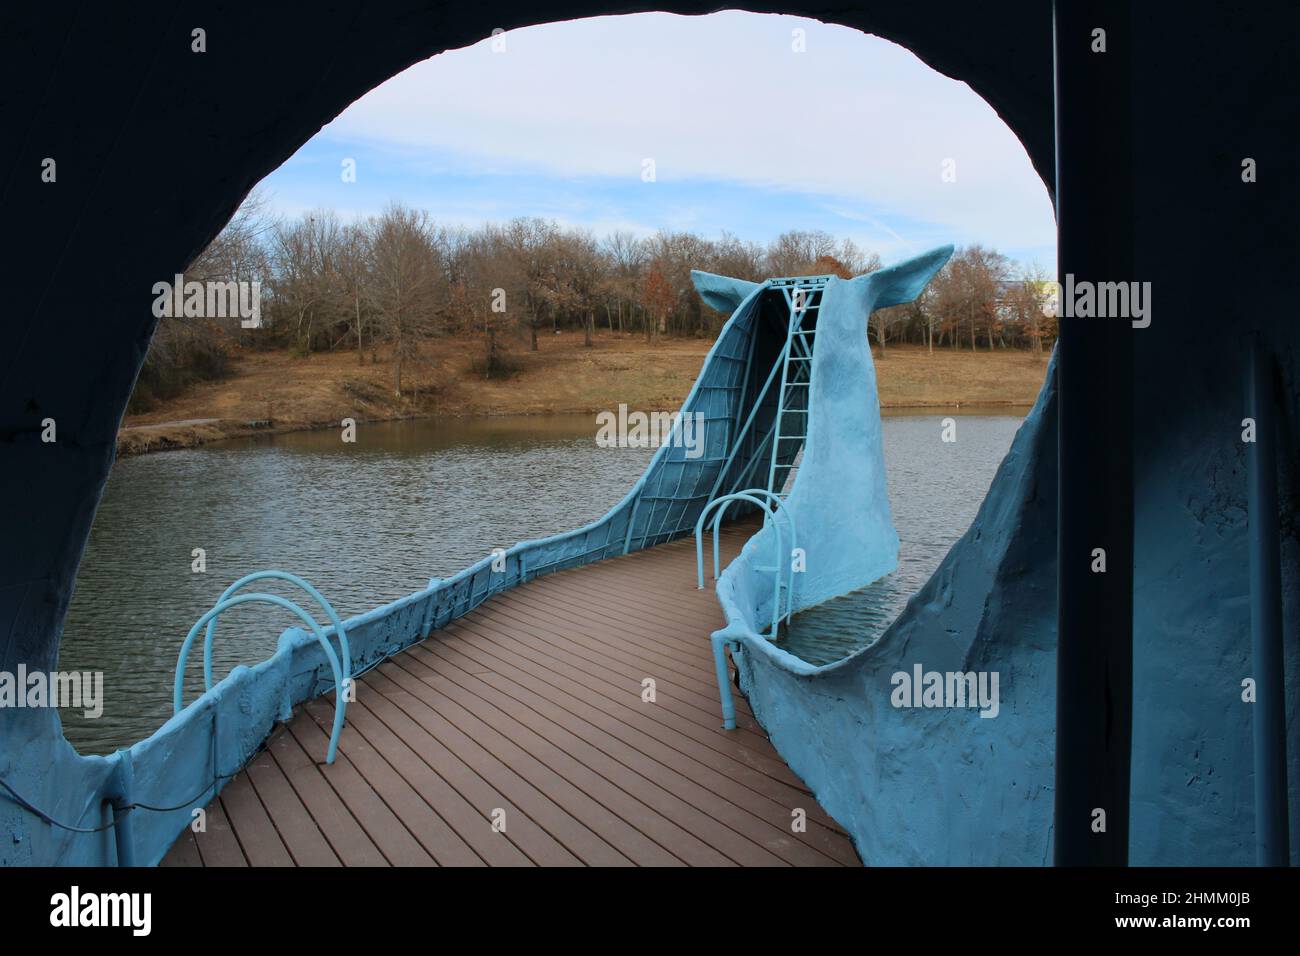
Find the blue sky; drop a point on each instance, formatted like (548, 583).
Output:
(747, 136)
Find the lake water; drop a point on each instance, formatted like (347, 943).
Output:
(935, 490)
(373, 521)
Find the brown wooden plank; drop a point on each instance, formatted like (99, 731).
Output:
(663, 643)
(625, 691)
(767, 800)
(636, 644)
(253, 828)
(303, 838)
(184, 852)
(664, 597)
(632, 652)
(654, 588)
(696, 780)
(693, 807)
(680, 612)
(649, 588)
(612, 625)
(217, 844)
(450, 829)
(644, 804)
(439, 842)
(615, 662)
(537, 807)
(616, 831)
(384, 722)
(398, 845)
(346, 836)
(625, 688)
(678, 731)
(671, 566)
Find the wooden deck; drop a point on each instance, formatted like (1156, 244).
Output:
(532, 705)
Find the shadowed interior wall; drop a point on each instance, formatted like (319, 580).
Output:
(156, 146)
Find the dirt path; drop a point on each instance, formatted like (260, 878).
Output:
(190, 422)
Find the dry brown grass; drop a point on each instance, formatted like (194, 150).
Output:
(909, 375)
(562, 376)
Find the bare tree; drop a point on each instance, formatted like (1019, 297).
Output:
(625, 256)
(352, 263)
(390, 283)
(528, 244)
(1024, 304)
(793, 253)
(403, 286)
(656, 297)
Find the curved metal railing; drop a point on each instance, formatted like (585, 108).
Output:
(345, 652)
(719, 642)
(721, 505)
(340, 663)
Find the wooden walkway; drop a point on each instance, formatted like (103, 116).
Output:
(529, 709)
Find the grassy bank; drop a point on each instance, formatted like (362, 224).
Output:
(277, 391)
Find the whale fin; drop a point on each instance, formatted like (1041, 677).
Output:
(722, 293)
(903, 281)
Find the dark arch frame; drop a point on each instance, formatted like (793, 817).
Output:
(157, 145)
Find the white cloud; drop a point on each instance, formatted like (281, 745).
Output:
(856, 121)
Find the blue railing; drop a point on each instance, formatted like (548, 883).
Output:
(783, 559)
(340, 663)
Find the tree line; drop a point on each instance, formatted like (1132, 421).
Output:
(385, 285)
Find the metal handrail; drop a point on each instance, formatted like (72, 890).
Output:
(721, 505)
(340, 677)
(780, 362)
(797, 314)
(718, 642)
(345, 652)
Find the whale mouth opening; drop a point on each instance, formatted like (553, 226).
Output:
(100, 622)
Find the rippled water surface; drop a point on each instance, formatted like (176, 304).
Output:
(373, 521)
(935, 489)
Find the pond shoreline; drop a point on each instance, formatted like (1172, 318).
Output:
(274, 392)
(178, 436)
